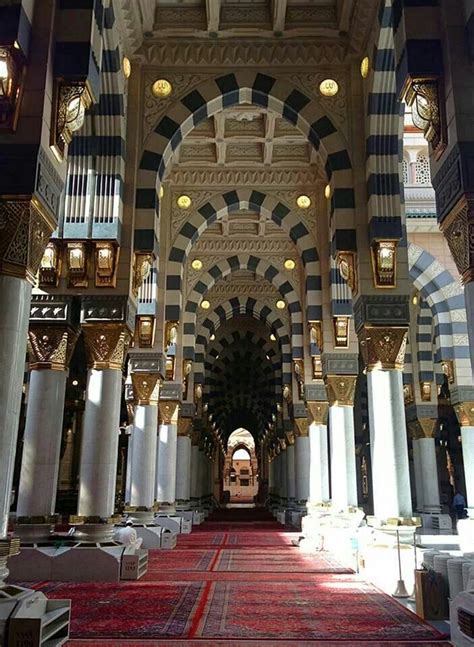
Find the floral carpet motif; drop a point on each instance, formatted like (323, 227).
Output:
(277, 561)
(190, 559)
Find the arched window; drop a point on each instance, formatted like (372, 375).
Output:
(422, 169)
(406, 175)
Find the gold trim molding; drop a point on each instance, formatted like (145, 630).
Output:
(146, 388)
(383, 347)
(106, 345)
(51, 347)
(341, 389)
(168, 412)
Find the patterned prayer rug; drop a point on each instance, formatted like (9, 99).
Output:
(257, 643)
(261, 561)
(190, 559)
(198, 539)
(271, 539)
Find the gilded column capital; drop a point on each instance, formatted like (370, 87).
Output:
(195, 437)
(458, 229)
(341, 389)
(465, 413)
(290, 438)
(301, 427)
(25, 231)
(318, 411)
(106, 344)
(50, 346)
(185, 426)
(383, 347)
(422, 428)
(168, 410)
(146, 388)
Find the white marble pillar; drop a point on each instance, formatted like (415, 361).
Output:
(283, 475)
(302, 467)
(319, 457)
(467, 439)
(194, 471)
(291, 472)
(418, 475)
(106, 345)
(469, 300)
(271, 476)
(183, 462)
(128, 479)
(429, 475)
(15, 295)
(343, 465)
(142, 481)
(166, 492)
(42, 443)
(389, 446)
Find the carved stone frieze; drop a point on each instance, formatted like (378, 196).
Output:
(465, 413)
(315, 391)
(383, 347)
(186, 177)
(146, 388)
(168, 410)
(220, 246)
(147, 362)
(340, 389)
(180, 216)
(25, 229)
(458, 229)
(318, 412)
(48, 308)
(106, 345)
(120, 308)
(340, 364)
(50, 347)
(49, 184)
(384, 310)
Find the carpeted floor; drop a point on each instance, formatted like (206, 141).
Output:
(240, 586)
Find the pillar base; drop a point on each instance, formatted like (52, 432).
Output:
(93, 529)
(33, 533)
(165, 507)
(140, 517)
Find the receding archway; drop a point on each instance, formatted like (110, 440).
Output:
(240, 468)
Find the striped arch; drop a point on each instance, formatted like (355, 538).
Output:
(93, 204)
(235, 200)
(424, 341)
(445, 297)
(245, 87)
(384, 143)
(227, 310)
(264, 269)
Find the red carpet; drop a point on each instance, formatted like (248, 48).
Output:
(240, 587)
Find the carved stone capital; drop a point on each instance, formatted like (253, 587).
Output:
(301, 427)
(290, 438)
(465, 413)
(106, 345)
(458, 229)
(185, 426)
(168, 410)
(341, 389)
(146, 388)
(318, 412)
(51, 347)
(422, 428)
(25, 229)
(383, 347)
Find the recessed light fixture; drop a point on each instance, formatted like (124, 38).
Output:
(196, 264)
(303, 201)
(126, 67)
(289, 264)
(75, 382)
(415, 299)
(365, 67)
(184, 202)
(161, 192)
(161, 89)
(205, 305)
(272, 337)
(327, 191)
(212, 337)
(280, 304)
(328, 88)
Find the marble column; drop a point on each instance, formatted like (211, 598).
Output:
(183, 462)
(146, 388)
(283, 471)
(271, 475)
(341, 390)
(50, 349)
(465, 415)
(290, 468)
(384, 351)
(302, 460)
(195, 468)
(106, 346)
(319, 457)
(168, 434)
(426, 464)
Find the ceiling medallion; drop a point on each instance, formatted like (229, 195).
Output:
(303, 201)
(280, 304)
(365, 67)
(289, 264)
(327, 191)
(184, 202)
(196, 264)
(161, 89)
(328, 88)
(205, 305)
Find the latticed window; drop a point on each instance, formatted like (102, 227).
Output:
(406, 175)
(422, 169)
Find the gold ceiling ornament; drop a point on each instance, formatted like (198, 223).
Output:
(50, 265)
(171, 333)
(329, 88)
(106, 344)
(318, 411)
(426, 390)
(146, 388)
(70, 102)
(51, 346)
(280, 304)
(425, 96)
(168, 410)
(365, 67)
(142, 264)
(383, 254)
(289, 264)
(145, 331)
(465, 413)
(340, 389)
(301, 427)
(77, 264)
(458, 229)
(383, 347)
(341, 332)
(316, 334)
(408, 394)
(303, 201)
(185, 427)
(196, 264)
(347, 264)
(205, 304)
(317, 366)
(106, 263)
(184, 202)
(25, 231)
(161, 88)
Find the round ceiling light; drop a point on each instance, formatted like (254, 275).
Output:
(327, 191)
(196, 264)
(280, 304)
(272, 337)
(212, 337)
(205, 305)
(126, 67)
(328, 88)
(303, 201)
(365, 67)
(289, 264)
(184, 202)
(161, 89)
